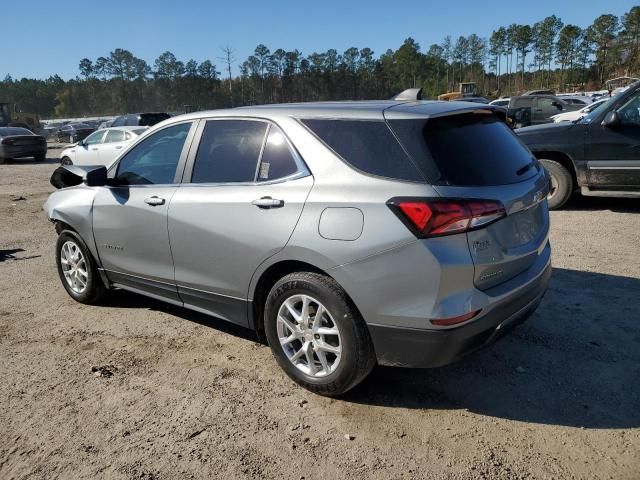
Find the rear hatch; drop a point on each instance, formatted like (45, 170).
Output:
(473, 159)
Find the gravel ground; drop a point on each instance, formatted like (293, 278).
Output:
(139, 389)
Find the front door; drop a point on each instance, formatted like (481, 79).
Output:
(246, 193)
(87, 153)
(613, 153)
(130, 217)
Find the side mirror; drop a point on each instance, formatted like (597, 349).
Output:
(97, 177)
(71, 175)
(81, 143)
(611, 120)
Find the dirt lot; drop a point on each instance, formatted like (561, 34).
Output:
(180, 395)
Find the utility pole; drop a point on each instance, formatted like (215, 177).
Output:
(228, 58)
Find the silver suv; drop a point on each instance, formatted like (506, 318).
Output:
(393, 232)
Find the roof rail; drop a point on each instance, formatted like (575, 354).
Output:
(410, 94)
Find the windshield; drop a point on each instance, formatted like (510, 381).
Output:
(596, 111)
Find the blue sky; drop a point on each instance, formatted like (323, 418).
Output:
(57, 34)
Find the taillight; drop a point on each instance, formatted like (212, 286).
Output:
(437, 217)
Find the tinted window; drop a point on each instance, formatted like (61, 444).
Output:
(149, 119)
(467, 149)
(131, 120)
(521, 102)
(95, 137)
(114, 136)
(366, 145)
(228, 151)
(9, 131)
(277, 158)
(154, 160)
(119, 121)
(629, 113)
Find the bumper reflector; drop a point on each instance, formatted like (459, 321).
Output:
(447, 322)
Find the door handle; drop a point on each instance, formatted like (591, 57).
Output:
(154, 201)
(118, 147)
(268, 202)
(94, 149)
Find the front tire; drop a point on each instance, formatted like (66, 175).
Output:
(66, 161)
(316, 334)
(77, 269)
(561, 183)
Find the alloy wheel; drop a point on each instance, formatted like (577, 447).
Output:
(74, 267)
(309, 336)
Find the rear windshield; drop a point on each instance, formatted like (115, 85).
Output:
(467, 149)
(367, 145)
(150, 119)
(10, 131)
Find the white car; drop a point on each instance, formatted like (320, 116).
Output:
(101, 147)
(501, 102)
(578, 114)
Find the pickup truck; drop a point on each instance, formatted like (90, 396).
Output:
(598, 154)
(525, 110)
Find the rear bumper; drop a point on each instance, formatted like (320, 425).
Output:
(19, 151)
(421, 348)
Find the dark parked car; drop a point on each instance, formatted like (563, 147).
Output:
(599, 154)
(525, 110)
(140, 119)
(17, 142)
(74, 132)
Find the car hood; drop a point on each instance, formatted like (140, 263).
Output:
(546, 128)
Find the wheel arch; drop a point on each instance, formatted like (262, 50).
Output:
(264, 281)
(563, 159)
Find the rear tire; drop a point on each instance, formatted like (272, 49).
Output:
(77, 269)
(561, 184)
(337, 343)
(41, 157)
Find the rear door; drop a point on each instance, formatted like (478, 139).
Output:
(613, 154)
(479, 157)
(244, 191)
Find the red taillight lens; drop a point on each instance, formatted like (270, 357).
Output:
(436, 217)
(447, 322)
(418, 212)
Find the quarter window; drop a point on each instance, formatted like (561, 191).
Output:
(367, 145)
(277, 158)
(228, 151)
(155, 159)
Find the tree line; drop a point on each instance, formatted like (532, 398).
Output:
(547, 54)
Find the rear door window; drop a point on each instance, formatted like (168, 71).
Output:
(367, 145)
(114, 136)
(229, 151)
(467, 149)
